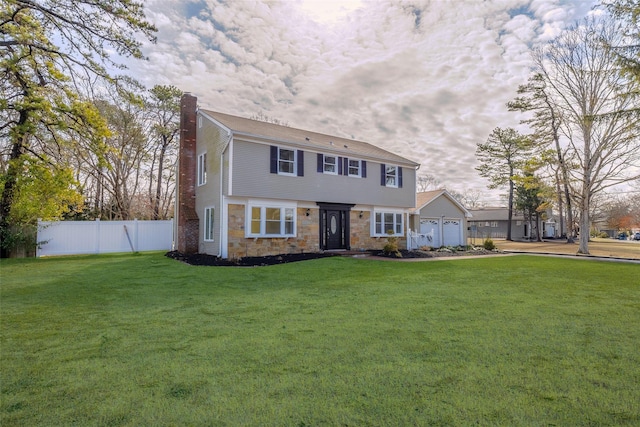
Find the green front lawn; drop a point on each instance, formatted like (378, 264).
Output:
(145, 340)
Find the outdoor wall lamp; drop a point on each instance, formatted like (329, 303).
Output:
(308, 212)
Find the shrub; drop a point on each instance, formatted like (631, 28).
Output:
(391, 248)
(489, 245)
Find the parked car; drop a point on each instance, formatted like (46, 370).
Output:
(636, 236)
(622, 236)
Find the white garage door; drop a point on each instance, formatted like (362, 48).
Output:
(429, 233)
(452, 230)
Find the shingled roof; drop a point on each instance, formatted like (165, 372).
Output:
(270, 132)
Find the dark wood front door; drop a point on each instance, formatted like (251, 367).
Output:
(334, 226)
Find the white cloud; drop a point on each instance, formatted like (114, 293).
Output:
(428, 80)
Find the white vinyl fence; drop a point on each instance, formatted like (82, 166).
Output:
(96, 237)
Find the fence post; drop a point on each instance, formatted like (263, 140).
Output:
(38, 239)
(135, 238)
(97, 234)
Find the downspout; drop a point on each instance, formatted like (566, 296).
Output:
(223, 210)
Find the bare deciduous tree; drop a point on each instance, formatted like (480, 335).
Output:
(583, 78)
(426, 182)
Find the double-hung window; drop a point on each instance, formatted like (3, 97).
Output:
(391, 176)
(208, 224)
(330, 164)
(271, 221)
(287, 161)
(202, 169)
(388, 223)
(354, 168)
(336, 165)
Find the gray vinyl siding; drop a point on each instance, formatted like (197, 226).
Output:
(441, 207)
(252, 178)
(211, 140)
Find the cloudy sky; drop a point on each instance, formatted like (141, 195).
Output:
(425, 79)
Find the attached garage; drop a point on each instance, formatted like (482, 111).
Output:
(439, 220)
(452, 232)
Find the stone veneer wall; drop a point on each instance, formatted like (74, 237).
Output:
(308, 239)
(361, 234)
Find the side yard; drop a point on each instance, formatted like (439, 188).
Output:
(146, 340)
(597, 247)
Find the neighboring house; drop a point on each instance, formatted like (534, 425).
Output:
(492, 223)
(438, 220)
(251, 188)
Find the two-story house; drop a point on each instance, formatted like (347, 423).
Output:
(252, 188)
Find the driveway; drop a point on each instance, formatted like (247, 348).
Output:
(609, 248)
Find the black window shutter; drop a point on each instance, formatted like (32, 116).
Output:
(399, 177)
(274, 159)
(364, 169)
(339, 165)
(320, 163)
(383, 171)
(345, 168)
(300, 155)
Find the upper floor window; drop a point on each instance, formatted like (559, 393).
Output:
(354, 168)
(271, 221)
(202, 169)
(286, 161)
(208, 224)
(334, 165)
(389, 223)
(330, 164)
(391, 176)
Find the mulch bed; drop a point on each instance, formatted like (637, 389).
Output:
(436, 253)
(211, 260)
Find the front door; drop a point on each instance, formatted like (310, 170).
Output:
(334, 226)
(334, 230)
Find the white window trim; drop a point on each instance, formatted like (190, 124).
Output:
(359, 174)
(295, 162)
(209, 226)
(335, 165)
(394, 175)
(202, 169)
(263, 205)
(395, 212)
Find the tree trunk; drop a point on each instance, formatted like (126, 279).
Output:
(560, 205)
(8, 192)
(156, 202)
(510, 206)
(585, 221)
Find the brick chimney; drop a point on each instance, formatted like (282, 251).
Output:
(188, 224)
